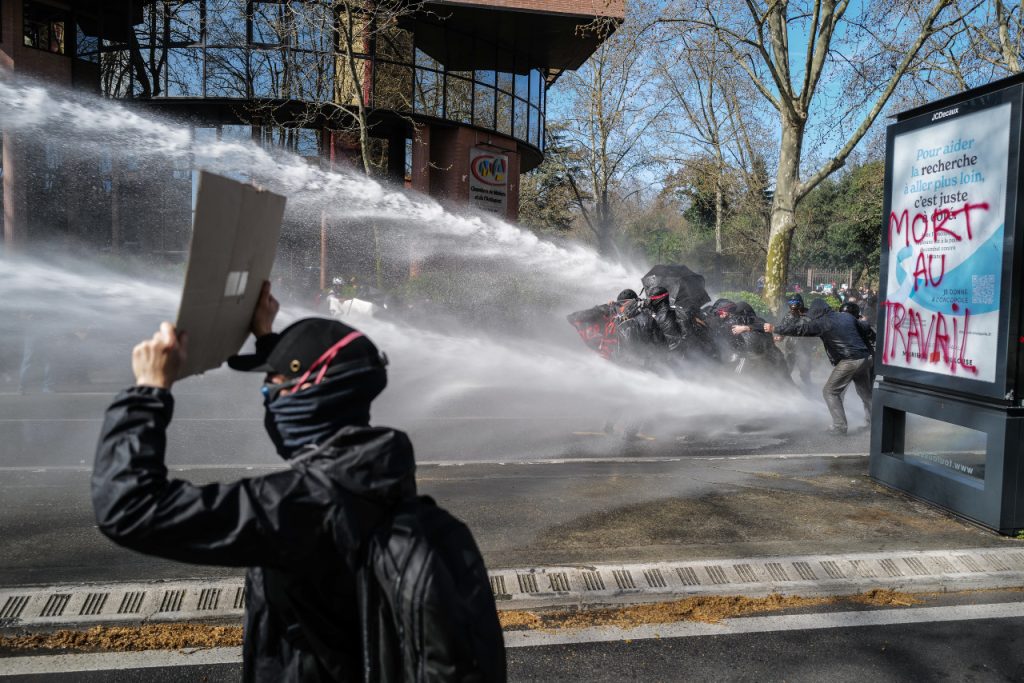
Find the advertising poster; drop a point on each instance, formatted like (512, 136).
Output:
(945, 244)
(488, 181)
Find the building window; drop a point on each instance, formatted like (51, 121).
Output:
(44, 27)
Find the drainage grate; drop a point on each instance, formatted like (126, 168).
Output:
(172, 601)
(803, 569)
(13, 607)
(131, 603)
(890, 568)
(916, 566)
(832, 570)
(498, 588)
(777, 571)
(527, 583)
(996, 562)
(688, 576)
(208, 599)
(863, 569)
(991, 567)
(592, 581)
(623, 579)
(55, 605)
(559, 581)
(93, 604)
(745, 572)
(716, 574)
(970, 563)
(654, 578)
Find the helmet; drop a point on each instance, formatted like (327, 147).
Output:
(851, 308)
(796, 301)
(626, 294)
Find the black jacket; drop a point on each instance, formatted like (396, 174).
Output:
(294, 534)
(638, 335)
(682, 331)
(844, 337)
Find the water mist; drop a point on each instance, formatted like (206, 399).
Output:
(466, 390)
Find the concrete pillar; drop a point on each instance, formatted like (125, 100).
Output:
(512, 201)
(421, 159)
(396, 156)
(15, 209)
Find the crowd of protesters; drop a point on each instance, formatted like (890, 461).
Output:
(678, 338)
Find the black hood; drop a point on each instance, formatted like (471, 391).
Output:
(372, 462)
(818, 308)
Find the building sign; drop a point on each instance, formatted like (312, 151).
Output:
(488, 181)
(944, 241)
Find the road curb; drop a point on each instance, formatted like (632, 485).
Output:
(534, 587)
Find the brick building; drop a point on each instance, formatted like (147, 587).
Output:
(454, 92)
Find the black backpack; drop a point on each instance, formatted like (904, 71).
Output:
(424, 592)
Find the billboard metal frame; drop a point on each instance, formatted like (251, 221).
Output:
(995, 408)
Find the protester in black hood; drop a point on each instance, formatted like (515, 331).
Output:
(636, 331)
(847, 343)
(670, 332)
(760, 355)
(340, 372)
(627, 294)
(680, 330)
(300, 531)
(718, 317)
(799, 351)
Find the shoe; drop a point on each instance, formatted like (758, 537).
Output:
(836, 431)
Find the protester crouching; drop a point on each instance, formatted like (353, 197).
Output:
(756, 347)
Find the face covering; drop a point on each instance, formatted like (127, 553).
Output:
(311, 415)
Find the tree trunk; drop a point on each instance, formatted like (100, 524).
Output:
(783, 215)
(718, 212)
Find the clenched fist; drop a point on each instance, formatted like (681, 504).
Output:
(157, 361)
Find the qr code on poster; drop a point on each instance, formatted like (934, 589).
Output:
(983, 289)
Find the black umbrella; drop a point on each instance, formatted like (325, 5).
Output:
(685, 287)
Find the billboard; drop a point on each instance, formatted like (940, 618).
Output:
(950, 194)
(488, 181)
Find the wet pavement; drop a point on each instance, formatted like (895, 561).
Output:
(544, 513)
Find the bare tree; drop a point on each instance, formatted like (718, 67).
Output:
(985, 44)
(850, 65)
(707, 121)
(996, 34)
(608, 112)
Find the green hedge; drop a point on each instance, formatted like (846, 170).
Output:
(755, 301)
(831, 299)
(761, 308)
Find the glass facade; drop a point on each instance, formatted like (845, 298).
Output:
(246, 49)
(44, 26)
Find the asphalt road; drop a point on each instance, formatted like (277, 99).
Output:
(544, 513)
(537, 489)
